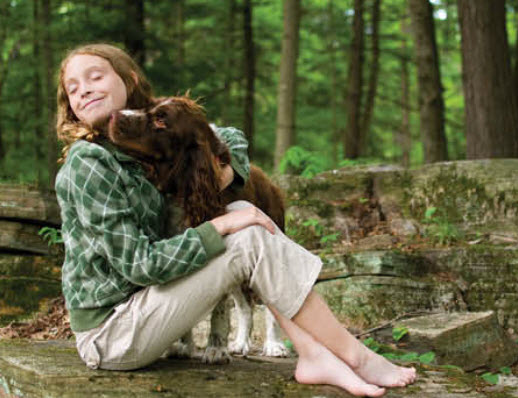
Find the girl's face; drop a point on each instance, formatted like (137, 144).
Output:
(93, 88)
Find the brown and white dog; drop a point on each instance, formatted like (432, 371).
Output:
(183, 157)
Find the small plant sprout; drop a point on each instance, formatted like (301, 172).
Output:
(398, 332)
(51, 235)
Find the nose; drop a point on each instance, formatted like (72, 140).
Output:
(84, 89)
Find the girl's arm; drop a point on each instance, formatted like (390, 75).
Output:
(108, 224)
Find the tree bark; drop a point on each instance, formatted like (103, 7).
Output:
(354, 87)
(405, 139)
(229, 58)
(37, 109)
(179, 6)
(52, 144)
(431, 103)
(333, 40)
(134, 32)
(286, 97)
(373, 77)
(249, 63)
(490, 102)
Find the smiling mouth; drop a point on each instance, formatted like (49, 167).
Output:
(91, 102)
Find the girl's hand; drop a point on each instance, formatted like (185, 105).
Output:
(239, 219)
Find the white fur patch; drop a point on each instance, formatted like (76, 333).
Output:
(130, 112)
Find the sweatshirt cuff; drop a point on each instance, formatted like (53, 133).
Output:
(211, 239)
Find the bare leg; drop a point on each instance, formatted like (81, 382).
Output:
(318, 365)
(316, 318)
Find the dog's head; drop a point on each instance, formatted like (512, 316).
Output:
(171, 126)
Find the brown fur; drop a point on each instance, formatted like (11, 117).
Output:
(184, 156)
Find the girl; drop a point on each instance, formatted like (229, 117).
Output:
(131, 293)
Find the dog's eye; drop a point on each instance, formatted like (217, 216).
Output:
(159, 120)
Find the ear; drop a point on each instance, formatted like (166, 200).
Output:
(134, 76)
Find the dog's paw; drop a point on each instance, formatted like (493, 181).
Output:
(275, 349)
(179, 350)
(240, 347)
(216, 355)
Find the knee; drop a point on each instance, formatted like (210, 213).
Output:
(238, 205)
(250, 237)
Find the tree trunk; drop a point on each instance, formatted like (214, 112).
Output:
(134, 32)
(179, 6)
(333, 39)
(248, 126)
(373, 78)
(4, 13)
(52, 144)
(431, 103)
(515, 74)
(228, 52)
(286, 97)
(405, 139)
(354, 87)
(37, 109)
(490, 102)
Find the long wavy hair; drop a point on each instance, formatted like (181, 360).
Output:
(69, 127)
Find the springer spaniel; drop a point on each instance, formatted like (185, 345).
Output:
(183, 158)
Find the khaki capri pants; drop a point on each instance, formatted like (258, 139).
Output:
(140, 330)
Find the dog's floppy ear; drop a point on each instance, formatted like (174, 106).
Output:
(201, 199)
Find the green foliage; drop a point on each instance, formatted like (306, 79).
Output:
(372, 344)
(51, 235)
(490, 378)
(427, 357)
(494, 378)
(310, 231)
(288, 344)
(439, 228)
(210, 64)
(399, 332)
(391, 354)
(301, 162)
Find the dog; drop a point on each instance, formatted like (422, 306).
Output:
(184, 157)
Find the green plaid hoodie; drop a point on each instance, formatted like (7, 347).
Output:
(112, 228)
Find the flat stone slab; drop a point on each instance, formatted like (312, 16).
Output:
(52, 369)
(470, 340)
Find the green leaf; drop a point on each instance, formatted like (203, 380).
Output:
(330, 238)
(311, 222)
(398, 332)
(389, 355)
(430, 211)
(288, 344)
(491, 378)
(372, 344)
(411, 356)
(505, 370)
(427, 357)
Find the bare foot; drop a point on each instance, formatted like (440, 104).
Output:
(322, 367)
(375, 369)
